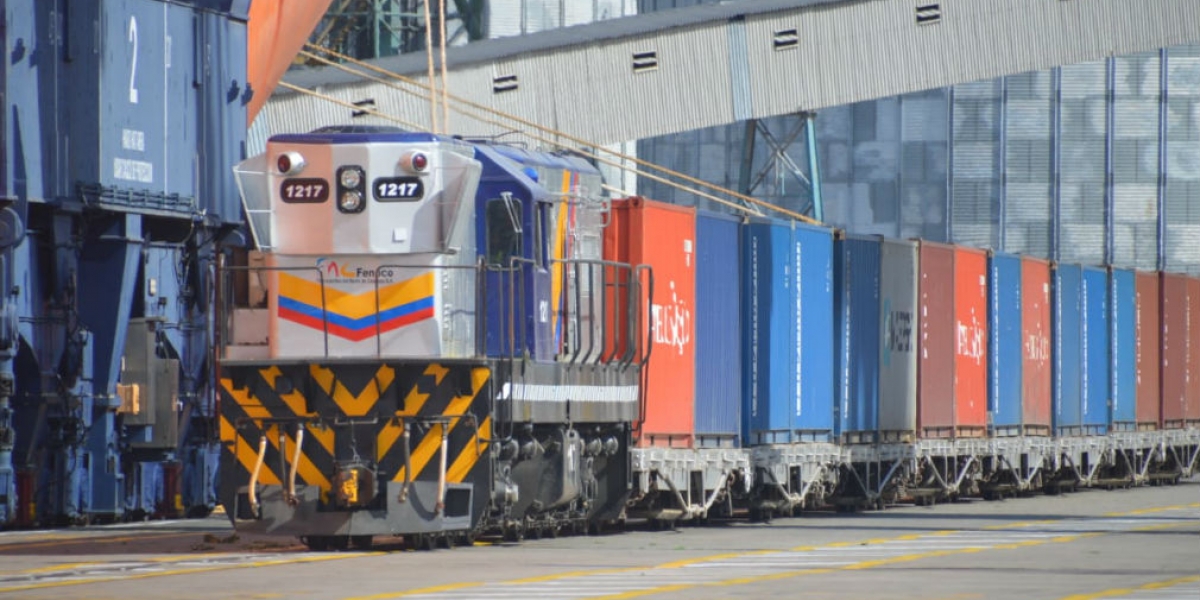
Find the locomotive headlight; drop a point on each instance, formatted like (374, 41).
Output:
(415, 162)
(289, 163)
(351, 178)
(351, 201)
(351, 196)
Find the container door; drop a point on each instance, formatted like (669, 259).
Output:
(1036, 365)
(718, 331)
(813, 403)
(935, 404)
(1148, 351)
(1096, 380)
(1123, 349)
(970, 341)
(898, 352)
(1004, 319)
(1067, 356)
(858, 337)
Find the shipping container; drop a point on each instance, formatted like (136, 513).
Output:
(1096, 378)
(812, 262)
(1122, 303)
(935, 375)
(1192, 409)
(1176, 349)
(788, 329)
(876, 315)
(858, 341)
(971, 341)
(1148, 351)
(768, 329)
(898, 345)
(1004, 320)
(1068, 370)
(663, 237)
(718, 330)
(1036, 364)
(953, 384)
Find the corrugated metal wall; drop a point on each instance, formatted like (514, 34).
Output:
(888, 166)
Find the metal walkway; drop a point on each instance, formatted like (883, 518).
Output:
(685, 69)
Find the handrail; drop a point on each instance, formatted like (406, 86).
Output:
(226, 271)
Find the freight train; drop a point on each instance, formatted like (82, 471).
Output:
(446, 337)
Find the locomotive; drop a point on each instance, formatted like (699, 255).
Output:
(439, 350)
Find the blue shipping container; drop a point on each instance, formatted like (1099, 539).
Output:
(812, 251)
(1004, 320)
(858, 341)
(1096, 380)
(1123, 304)
(718, 330)
(1067, 357)
(769, 324)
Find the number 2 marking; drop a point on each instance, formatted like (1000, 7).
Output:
(133, 39)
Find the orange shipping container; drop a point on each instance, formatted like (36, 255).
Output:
(971, 340)
(1147, 351)
(1177, 346)
(1192, 410)
(662, 236)
(1035, 345)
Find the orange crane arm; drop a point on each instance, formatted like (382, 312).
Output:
(278, 30)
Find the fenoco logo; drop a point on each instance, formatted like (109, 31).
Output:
(343, 271)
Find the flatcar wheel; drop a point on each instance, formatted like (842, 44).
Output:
(428, 541)
(446, 541)
(362, 542)
(466, 538)
(339, 542)
(316, 543)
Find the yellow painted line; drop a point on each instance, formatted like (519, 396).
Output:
(1157, 585)
(1146, 511)
(187, 571)
(96, 539)
(428, 590)
(874, 563)
(785, 575)
(61, 567)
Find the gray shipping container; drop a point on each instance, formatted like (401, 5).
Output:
(898, 356)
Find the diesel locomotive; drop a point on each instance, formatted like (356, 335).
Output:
(431, 346)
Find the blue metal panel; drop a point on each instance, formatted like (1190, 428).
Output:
(814, 383)
(858, 342)
(1123, 305)
(1068, 369)
(222, 95)
(768, 331)
(1096, 380)
(718, 329)
(1004, 320)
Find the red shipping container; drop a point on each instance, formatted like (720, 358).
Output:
(1147, 351)
(971, 341)
(1192, 407)
(1176, 348)
(935, 364)
(662, 236)
(952, 369)
(1036, 380)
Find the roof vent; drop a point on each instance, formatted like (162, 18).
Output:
(504, 83)
(645, 61)
(928, 14)
(786, 39)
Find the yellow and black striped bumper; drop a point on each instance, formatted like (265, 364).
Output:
(354, 416)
